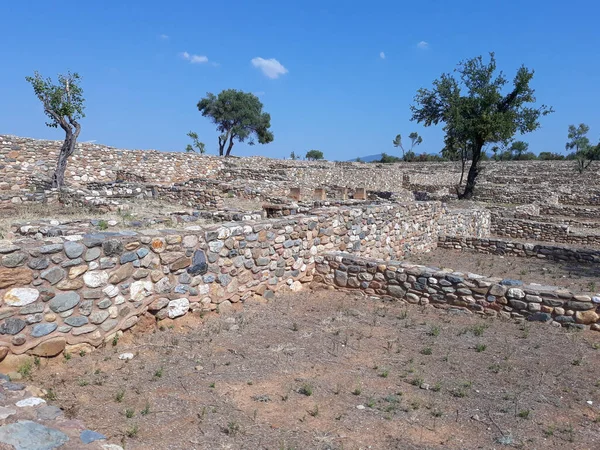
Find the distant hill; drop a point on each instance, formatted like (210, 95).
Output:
(369, 158)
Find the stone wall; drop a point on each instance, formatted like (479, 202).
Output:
(513, 248)
(445, 288)
(86, 287)
(541, 231)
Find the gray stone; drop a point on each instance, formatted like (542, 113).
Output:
(396, 291)
(73, 249)
(51, 248)
(580, 306)
(53, 275)
(97, 317)
(38, 263)
(92, 254)
(28, 435)
(12, 326)
(89, 436)
(32, 308)
(539, 317)
(128, 257)
(112, 247)
(199, 265)
(224, 279)
(42, 329)
(103, 304)
(341, 278)
(77, 321)
(64, 301)
(49, 412)
(14, 259)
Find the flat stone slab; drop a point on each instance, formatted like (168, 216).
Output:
(31, 401)
(28, 435)
(48, 412)
(6, 412)
(88, 436)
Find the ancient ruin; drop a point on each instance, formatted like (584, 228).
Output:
(65, 282)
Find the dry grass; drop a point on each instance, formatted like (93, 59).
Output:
(292, 374)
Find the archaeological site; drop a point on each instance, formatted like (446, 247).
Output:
(139, 244)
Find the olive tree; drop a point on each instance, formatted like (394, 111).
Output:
(238, 116)
(477, 109)
(63, 104)
(415, 140)
(584, 152)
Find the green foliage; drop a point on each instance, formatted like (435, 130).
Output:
(314, 155)
(549, 156)
(415, 140)
(584, 152)
(293, 156)
(196, 144)
(63, 102)
(238, 116)
(476, 111)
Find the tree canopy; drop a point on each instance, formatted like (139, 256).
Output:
(314, 155)
(238, 116)
(476, 109)
(63, 103)
(196, 144)
(583, 150)
(415, 140)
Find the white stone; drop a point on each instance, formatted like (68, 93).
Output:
(31, 401)
(126, 356)
(178, 307)
(21, 296)
(111, 291)
(95, 279)
(140, 289)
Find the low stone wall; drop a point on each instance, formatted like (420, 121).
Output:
(541, 231)
(445, 288)
(467, 222)
(520, 249)
(86, 287)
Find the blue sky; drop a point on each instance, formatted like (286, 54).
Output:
(335, 90)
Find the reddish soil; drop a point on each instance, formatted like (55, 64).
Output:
(337, 370)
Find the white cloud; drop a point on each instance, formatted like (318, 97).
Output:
(423, 45)
(382, 55)
(270, 67)
(194, 59)
(164, 37)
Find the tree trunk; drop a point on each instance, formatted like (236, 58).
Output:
(221, 146)
(230, 145)
(473, 172)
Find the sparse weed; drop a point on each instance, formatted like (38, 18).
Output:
(119, 396)
(306, 389)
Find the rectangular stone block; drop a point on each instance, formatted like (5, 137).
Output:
(294, 194)
(319, 194)
(360, 193)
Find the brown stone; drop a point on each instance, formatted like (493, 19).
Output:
(70, 285)
(171, 257)
(181, 264)
(586, 317)
(3, 352)
(132, 246)
(51, 347)
(19, 276)
(76, 271)
(121, 274)
(158, 245)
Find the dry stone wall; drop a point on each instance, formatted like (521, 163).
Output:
(79, 288)
(445, 288)
(506, 247)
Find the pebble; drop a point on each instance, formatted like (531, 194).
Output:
(126, 356)
(31, 401)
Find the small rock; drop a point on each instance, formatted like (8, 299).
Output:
(31, 401)
(126, 356)
(88, 436)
